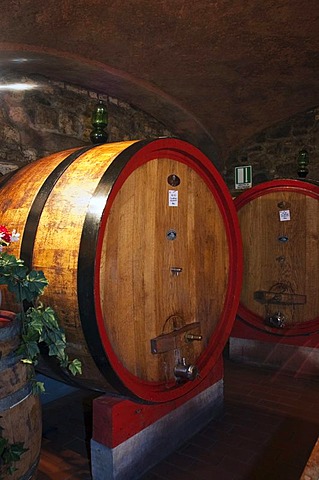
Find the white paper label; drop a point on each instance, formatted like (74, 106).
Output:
(173, 198)
(284, 215)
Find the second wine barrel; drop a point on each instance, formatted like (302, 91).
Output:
(279, 222)
(141, 246)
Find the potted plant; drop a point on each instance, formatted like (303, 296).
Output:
(38, 325)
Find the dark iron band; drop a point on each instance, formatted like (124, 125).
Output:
(30, 472)
(86, 266)
(16, 397)
(32, 222)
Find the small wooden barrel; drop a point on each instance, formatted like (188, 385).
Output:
(279, 222)
(141, 246)
(20, 410)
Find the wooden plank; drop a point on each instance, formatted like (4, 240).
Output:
(278, 298)
(175, 339)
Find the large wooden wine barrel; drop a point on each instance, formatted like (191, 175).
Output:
(20, 410)
(140, 243)
(279, 222)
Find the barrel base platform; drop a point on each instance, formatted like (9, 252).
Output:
(297, 355)
(130, 438)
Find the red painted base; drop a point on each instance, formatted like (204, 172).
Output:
(116, 419)
(242, 329)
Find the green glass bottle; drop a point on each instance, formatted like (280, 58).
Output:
(303, 161)
(99, 122)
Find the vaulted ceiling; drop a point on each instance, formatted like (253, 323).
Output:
(216, 72)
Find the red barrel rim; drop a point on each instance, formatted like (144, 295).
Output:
(5, 317)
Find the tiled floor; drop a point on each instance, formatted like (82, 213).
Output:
(267, 431)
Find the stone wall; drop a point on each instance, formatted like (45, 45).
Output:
(273, 153)
(55, 116)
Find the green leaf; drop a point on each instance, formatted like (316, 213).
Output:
(34, 321)
(37, 282)
(30, 335)
(59, 353)
(53, 350)
(75, 367)
(54, 336)
(27, 360)
(49, 318)
(12, 469)
(3, 444)
(16, 450)
(38, 388)
(31, 350)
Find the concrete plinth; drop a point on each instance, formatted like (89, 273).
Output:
(135, 455)
(295, 359)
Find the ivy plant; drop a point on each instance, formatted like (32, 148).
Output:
(39, 323)
(10, 453)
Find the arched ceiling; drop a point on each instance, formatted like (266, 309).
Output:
(215, 71)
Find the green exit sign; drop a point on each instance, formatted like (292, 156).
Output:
(243, 177)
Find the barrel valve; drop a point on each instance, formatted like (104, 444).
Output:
(184, 371)
(190, 337)
(176, 271)
(276, 320)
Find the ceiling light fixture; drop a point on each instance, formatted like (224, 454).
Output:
(18, 86)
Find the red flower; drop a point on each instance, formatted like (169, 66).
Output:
(5, 234)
